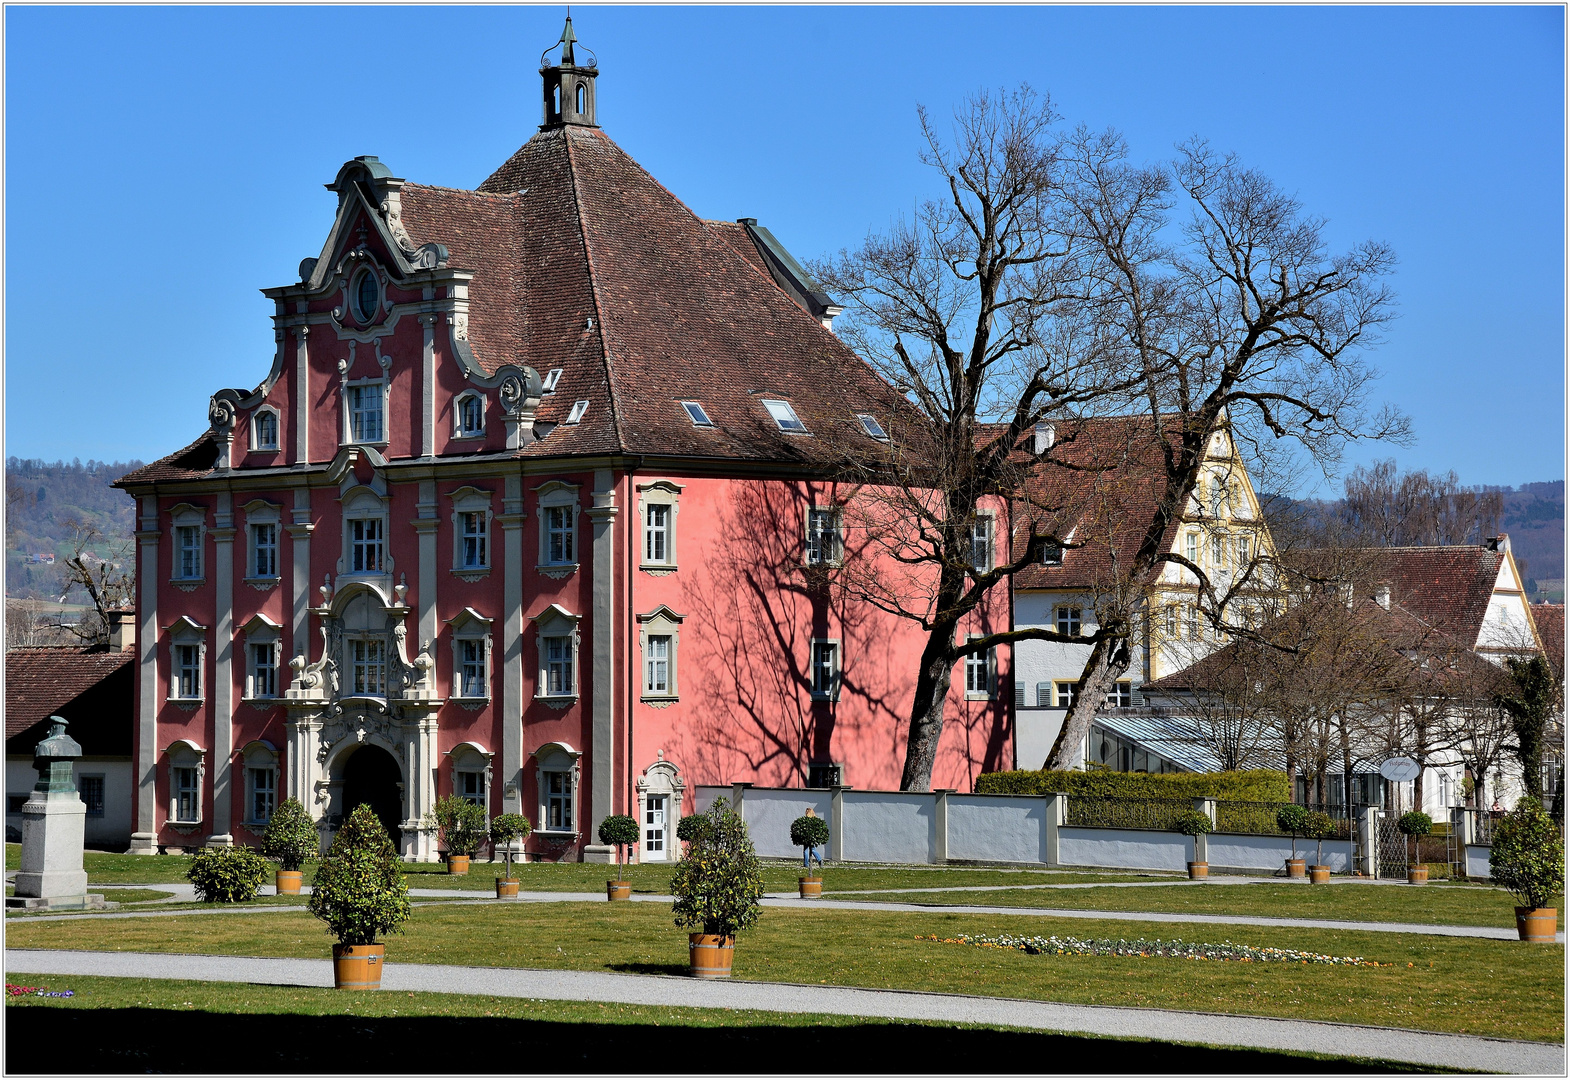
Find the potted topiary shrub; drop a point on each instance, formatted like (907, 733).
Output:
(621, 830)
(227, 875)
(1319, 826)
(462, 826)
(810, 832)
(1528, 859)
(1194, 824)
(717, 885)
(690, 828)
(360, 893)
(290, 839)
(505, 829)
(1292, 818)
(1415, 824)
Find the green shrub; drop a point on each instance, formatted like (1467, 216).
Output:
(1245, 785)
(227, 875)
(1528, 856)
(359, 891)
(462, 825)
(1317, 827)
(691, 827)
(718, 882)
(1293, 819)
(1415, 823)
(621, 830)
(1193, 823)
(809, 831)
(291, 836)
(505, 828)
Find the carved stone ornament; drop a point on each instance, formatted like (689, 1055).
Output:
(511, 393)
(220, 413)
(460, 325)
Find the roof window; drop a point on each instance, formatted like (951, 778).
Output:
(870, 425)
(785, 416)
(578, 409)
(552, 377)
(696, 414)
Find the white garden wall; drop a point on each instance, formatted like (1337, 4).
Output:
(997, 828)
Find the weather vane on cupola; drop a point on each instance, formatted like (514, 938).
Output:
(569, 86)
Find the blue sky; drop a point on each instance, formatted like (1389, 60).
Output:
(164, 164)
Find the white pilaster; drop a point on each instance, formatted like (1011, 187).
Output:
(428, 382)
(302, 394)
(223, 673)
(603, 652)
(511, 522)
(144, 841)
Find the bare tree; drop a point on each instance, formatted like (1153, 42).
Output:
(1416, 508)
(107, 580)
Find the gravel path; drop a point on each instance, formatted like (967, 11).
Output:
(1392, 1044)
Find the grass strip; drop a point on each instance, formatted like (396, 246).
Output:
(1468, 986)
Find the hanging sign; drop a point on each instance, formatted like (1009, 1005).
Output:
(1399, 769)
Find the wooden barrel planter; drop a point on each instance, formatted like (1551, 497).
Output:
(357, 967)
(1536, 924)
(506, 887)
(1417, 875)
(458, 864)
(811, 887)
(618, 890)
(288, 882)
(1319, 875)
(1199, 871)
(1295, 868)
(710, 955)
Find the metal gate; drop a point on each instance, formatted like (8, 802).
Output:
(1392, 847)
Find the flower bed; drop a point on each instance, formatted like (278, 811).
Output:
(1176, 948)
(13, 990)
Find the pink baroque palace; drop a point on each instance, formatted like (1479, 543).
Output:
(531, 508)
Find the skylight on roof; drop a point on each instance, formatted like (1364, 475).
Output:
(578, 409)
(696, 414)
(785, 416)
(870, 425)
(552, 377)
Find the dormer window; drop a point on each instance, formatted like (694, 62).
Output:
(696, 414)
(264, 429)
(785, 416)
(578, 409)
(367, 297)
(870, 425)
(548, 384)
(469, 416)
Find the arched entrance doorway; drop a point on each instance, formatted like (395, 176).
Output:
(370, 775)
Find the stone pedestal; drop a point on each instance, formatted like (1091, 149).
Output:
(52, 823)
(599, 853)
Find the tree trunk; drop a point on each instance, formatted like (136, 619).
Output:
(1109, 659)
(926, 711)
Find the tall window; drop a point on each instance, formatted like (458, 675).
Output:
(657, 665)
(558, 535)
(368, 657)
(558, 666)
(471, 663)
(1191, 547)
(471, 787)
(187, 795)
(188, 670)
(558, 800)
(471, 415)
(264, 794)
(365, 413)
(1218, 495)
(92, 788)
(265, 430)
(1243, 548)
(1171, 620)
(654, 824)
(823, 537)
(1069, 620)
(981, 544)
(264, 550)
(365, 545)
(264, 670)
(1218, 551)
(473, 528)
(825, 669)
(1193, 622)
(189, 541)
(656, 533)
(978, 672)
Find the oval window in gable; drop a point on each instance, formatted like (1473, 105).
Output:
(367, 295)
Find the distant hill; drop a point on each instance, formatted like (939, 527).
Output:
(41, 496)
(1535, 519)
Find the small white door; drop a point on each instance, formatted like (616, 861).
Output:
(654, 848)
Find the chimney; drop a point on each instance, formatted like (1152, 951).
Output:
(1498, 543)
(1382, 595)
(122, 630)
(1043, 436)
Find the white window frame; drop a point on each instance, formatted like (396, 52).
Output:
(471, 759)
(258, 444)
(579, 410)
(259, 757)
(364, 504)
(469, 626)
(557, 495)
(1243, 547)
(1218, 551)
(186, 633)
(183, 517)
(1064, 692)
(1069, 618)
(185, 757)
(376, 661)
(987, 665)
(983, 530)
(259, 515)
(548, 384)
(870, 425)
(1121, 696)
(460, 428)
(662, 622)
(813, 532)
(784, 416)
(667, 495)
(1192, 621)
(556, 623)
(471, 501)
(836, 670)
(561, 759)
(1191, 547)
(695, 410)
(262, 633)
(361, 316)
(352, 389)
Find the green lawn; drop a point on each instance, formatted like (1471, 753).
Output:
(1497, 988)
(327, 1031)
(1355, 902)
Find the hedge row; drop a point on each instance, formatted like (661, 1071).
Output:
(1247, 785)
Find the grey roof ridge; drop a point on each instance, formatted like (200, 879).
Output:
(594, 292)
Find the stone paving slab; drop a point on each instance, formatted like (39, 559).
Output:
(1391, 1044)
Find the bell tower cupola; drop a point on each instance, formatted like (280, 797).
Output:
(568, 85)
